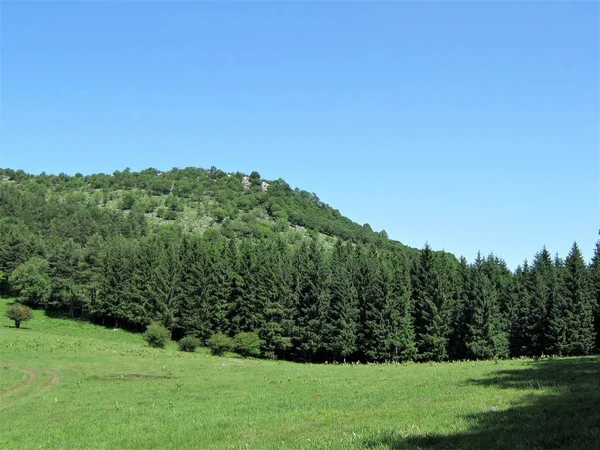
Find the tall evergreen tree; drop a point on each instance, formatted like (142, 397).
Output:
(214, 283)
(580, 307)
(459, 330)
(400, 341)
(116, 283)
(372, 333)
(311, 292)
(520, 339)
(342, 315)
(431, 314)
(485, 337)
(64, 259)
(537, 315)
(557, 333)
(595, 284)
(191, 312)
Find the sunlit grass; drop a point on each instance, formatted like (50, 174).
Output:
(99, 388)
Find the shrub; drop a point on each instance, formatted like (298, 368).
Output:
(19, 313)
(157, 335)
(189, 344)
(219, 344)
(248, 344)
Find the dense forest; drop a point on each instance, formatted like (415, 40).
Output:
(206, 252)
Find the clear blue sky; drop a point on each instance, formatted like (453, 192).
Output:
(470, 125)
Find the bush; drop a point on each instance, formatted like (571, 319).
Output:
(189, 344)
(248, 344)
(219, 344)
(19, 313)
(157, 335)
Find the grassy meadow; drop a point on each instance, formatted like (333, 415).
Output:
(68, 384)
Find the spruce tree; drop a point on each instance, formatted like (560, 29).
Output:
(537, 316)
(595, 287)
(459, 332)
(431, 315)
(485, 337)
(342, 315)
(246, 305)
(215, 283)
(580, 307)
(400, 341)
(191, 314)
(521, 341)
(372, 334)
(557, 333)
(116, 294)
(311, 293)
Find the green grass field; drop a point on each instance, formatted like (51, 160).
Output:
(67, 384)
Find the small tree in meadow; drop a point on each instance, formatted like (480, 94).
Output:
(157, 335)
(19, 313)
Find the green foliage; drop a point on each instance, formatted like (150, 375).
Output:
(31, 282)
(128, 201)
(157, 335)
(485, 337)
(248, 344)
(203, 253)
(19, 313)
(431, 295)
(548, 403)
(189, 344)
(220, 343)
(580, 306)
(595, 287)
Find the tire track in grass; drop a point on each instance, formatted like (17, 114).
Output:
(32, 377)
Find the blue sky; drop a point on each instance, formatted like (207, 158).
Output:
(470, 125)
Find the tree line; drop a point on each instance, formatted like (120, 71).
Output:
(309, 299)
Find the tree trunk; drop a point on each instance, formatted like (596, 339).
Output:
(17, 324)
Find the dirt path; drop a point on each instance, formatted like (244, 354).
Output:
(32, 377)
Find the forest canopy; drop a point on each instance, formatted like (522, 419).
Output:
(206, 253)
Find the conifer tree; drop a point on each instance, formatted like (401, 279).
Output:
(372, 333)
(400, 342)
(458, 334)
(116, 286)
(191, 316)
(595, 286)
(311, 292)
(431, 315)
(579, 308)
(520, 339)
(246, 305)
(537, 315)
(267, 293)
(215, 283)
(485, 335)
(557, 333)
(342, 315)
(282, 318)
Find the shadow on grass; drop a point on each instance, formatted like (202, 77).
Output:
(565, 416)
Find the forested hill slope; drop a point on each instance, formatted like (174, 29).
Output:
(208, 253)
(234, 204)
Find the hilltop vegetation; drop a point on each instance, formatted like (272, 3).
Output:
(207, 253)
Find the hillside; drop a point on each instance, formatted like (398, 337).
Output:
(70, 384)
(195, 199)
(207, 253)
